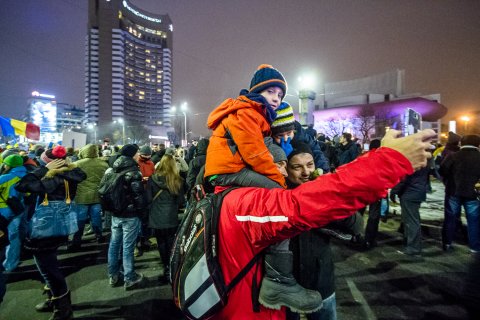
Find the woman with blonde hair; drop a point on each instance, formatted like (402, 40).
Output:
(165, 194)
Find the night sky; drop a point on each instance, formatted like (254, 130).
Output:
(218, 44)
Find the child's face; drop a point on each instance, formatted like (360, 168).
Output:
(283, 136)
(274, 96)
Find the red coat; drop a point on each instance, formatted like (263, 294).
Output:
(251, 219)
(147, 167)
(246, 122)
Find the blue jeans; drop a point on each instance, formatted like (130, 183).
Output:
(12, 255)
(472, 212)
(124, 233)
(47, 264)
(327, 312)
(85, 211)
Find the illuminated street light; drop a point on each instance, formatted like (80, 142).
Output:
(93, 126)
(306, 96)
(123, 129)
(465, 120)
(183, 108)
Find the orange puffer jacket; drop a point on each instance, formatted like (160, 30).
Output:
(245, 121)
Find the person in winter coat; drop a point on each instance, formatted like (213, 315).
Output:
(197, 162)
(126, 223)
(252, 219)
(49, 181)
(9, 220)
(237, 155)
(165, 195)
(412, 191)
(347, 149)
(374, 212)
(14, 171)
(461, 171)
(147, 167)
(239, 126)
(87, 201)
(312, 252)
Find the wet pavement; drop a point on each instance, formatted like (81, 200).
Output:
(375, 284)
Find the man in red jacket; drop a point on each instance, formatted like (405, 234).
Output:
(251, 218)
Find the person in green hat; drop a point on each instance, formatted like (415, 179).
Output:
(9, 220)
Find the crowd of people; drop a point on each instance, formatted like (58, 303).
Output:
(291, 202)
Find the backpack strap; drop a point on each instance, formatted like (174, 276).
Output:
(248, 266)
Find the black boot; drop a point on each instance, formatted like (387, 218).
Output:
(279, 287)
(62, 307)
(47, 305)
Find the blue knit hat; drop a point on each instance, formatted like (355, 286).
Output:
(265, 77)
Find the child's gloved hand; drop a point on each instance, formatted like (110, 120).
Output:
(316, 173)
(286, 146)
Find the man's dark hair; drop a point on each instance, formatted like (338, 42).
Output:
(347, 136)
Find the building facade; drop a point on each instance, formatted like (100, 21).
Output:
(69, 116)
(128, 65)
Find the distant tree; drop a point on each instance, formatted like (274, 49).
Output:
(136, 132)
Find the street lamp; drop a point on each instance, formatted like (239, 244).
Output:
(123, 129)
(465, 120)
(306, 96)
(183, 108)
(93, 126)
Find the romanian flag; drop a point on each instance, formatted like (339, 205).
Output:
(12, 127)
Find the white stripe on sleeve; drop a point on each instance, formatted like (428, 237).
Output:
(263, 219)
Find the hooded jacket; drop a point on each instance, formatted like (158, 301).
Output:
(94, 167)
(239, 126)
(251, 219)
(147, 167)
(164, 209)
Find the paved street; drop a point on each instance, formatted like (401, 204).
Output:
(378, 284)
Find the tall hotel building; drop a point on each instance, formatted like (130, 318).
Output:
(128, 65)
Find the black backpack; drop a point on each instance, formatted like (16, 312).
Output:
(113, 192)
(199, 289)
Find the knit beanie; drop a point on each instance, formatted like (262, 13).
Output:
(13, 161)
(265, 77)
(285, 121)
(129, 150)
(145, 150)
(453, 138)
(300, 147)
(59, 152)
(276, 151)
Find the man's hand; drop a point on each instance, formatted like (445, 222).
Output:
(413, 147)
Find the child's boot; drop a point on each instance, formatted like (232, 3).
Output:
(279, 287)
